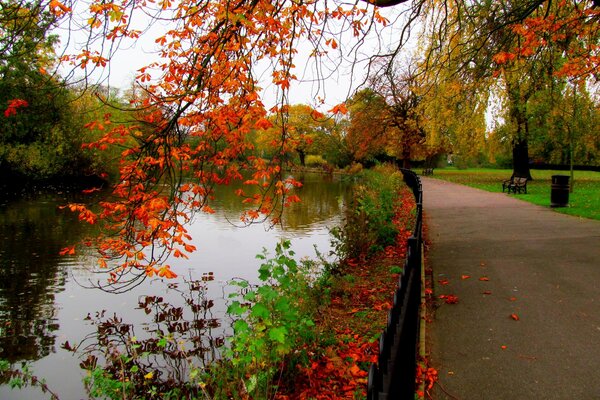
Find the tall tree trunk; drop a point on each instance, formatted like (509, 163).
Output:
(521, 159)
(520, 144)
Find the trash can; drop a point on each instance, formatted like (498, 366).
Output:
(559, 195)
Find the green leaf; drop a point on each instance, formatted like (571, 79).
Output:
(260, 311)
(278, 334)
(240, 326)
(235, 308)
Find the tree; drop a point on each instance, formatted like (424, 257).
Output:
(302, 125)
(519, 43)
(365, 135)
(405, 136)
(38, 134)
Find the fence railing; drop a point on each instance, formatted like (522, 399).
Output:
(393, 376)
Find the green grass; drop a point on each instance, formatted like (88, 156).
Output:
(583, 202)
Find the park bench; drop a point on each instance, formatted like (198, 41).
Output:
(516, 184)
(427, 171)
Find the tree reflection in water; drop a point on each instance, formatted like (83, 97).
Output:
(32, 232)
(178, 340)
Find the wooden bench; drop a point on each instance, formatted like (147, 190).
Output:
(516, 184)
(427, 171)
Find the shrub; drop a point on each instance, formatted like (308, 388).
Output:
(368, 226)
(315, 161)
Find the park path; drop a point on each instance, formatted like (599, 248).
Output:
(542, 266)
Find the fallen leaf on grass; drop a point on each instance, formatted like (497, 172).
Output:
(449, 298)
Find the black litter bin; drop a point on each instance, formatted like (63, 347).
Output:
(559, 195)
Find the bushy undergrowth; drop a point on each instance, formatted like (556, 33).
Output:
(369, 226)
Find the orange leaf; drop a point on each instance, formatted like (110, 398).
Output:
(67, 250)
(514, 316)
(484, 279)
(463, 277)
(339, 109)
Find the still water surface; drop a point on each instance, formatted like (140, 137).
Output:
(43, 298)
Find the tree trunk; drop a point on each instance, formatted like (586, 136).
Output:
(520, 144)
(302, 156)
(521, 159)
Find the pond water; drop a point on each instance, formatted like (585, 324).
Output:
(44, 297)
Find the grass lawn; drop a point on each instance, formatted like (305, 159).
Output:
(583, 202)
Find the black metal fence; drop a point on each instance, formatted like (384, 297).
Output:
(393, 376)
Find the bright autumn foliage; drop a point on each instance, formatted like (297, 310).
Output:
(13, 105)
(568, 27)
(199, 104)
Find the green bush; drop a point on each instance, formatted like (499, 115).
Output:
(368, 226)
(273, 323)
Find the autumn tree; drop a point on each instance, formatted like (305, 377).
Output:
(405, 136)
(303, 126)
(364, 137)
(498, 40)
(557, 46)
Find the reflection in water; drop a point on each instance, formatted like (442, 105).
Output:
(32, 232)
(42, 305)
(159, 358)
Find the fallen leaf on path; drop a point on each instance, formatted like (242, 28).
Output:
(503, 347)
(487, 292)
(514, 316)
(484, 278)
(444, 281)
(465, 277)
(513, 299)
(449, 298)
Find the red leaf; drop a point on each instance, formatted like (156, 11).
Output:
(514, 316)
(449, 298)
(484, 278)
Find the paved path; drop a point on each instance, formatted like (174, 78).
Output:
(542, 266)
